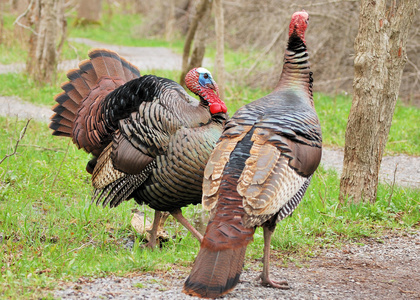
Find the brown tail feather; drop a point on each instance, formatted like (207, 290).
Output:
(71, 92)
(63, 112)
(88, 73)
(130, 70)
(220, 260)
(68, 103)
(81, 82)
(215, 273)
(107, 63)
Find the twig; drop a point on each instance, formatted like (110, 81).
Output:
(22, 134)
(61, 164)
(323, 3)
(74, 49)
(406, 292)
(334, 80)
(23, 15)
(267, 49)
(78, 248)
(42, 148)
(392, 186)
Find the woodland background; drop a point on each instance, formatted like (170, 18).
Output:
(259, 30)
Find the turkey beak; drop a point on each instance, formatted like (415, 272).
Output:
(213, 85)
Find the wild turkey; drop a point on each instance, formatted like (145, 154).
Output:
(258, 172)
(149, 139)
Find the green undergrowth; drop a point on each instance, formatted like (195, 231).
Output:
(404, 135)
(121, 29)
(50, 232)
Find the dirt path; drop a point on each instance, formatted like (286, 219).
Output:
(388, 268)
(145, 58)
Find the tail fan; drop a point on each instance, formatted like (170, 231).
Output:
(82, 81)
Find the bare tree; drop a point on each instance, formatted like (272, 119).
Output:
(46, 18)
(197, 34)
(380, 56)
(220, 46)
(89, 12)
(170, 19)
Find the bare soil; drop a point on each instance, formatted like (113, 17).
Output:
(386, 268)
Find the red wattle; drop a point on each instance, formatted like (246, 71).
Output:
(217, 107)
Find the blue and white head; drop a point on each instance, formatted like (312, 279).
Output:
(206, 80)
(200, 82)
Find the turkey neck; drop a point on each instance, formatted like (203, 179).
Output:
(296, 74)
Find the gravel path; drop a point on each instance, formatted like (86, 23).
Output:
(145, 58)
(388, 268)
(379, 269)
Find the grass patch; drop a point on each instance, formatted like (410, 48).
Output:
(333, 112)
(121, 29)
(24, 87)
(49, 231)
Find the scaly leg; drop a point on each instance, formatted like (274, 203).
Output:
(265, 274)
(177, 214)
(158, 221)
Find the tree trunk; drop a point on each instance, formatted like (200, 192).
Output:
(202, 8)
(380, 48)
(201, 34)
(170, 19)
(220, 47)
(46, 19)
(89, 11)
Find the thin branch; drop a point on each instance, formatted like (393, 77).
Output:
(61, 164)
(43, 148)
(78, 248)
(23, 15)
(392, 186)
(22, 134)
(323, 3)
(265, 52)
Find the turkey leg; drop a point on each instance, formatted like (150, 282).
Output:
(265, 274)
(177, 214)
(158, 222)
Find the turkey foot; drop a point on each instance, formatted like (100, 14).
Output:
(158, 222)
(177, 214)
(266, 281)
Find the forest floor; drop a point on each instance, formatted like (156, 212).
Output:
(385, 268)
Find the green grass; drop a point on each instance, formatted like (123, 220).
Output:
(333, 112)
(24, 87)
(48, 227)
(121, 29)
(51, 233)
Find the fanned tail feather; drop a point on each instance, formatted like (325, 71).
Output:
(82, 81)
